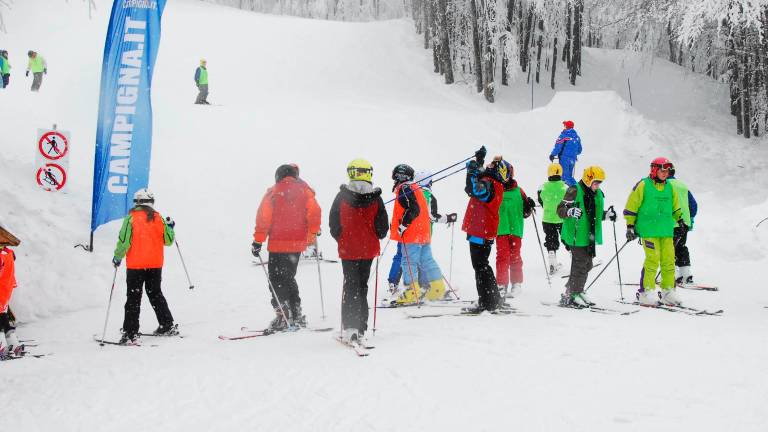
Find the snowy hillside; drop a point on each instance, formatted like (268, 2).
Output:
(320, 94)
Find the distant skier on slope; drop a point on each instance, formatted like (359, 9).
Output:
(515, 207)
(38, 67)
(358, 220)
(5, 69)
(652, 212)
(583, 212)
(290, 217)
(141, 239)
(201, 80)
(689, 208)
(550, 195)
(411, 226)
(567, 150)
(9, 343)
(485, 188)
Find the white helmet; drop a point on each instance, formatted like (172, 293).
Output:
(421, 177)
(144, 197)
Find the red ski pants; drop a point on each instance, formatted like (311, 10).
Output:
(509, 263)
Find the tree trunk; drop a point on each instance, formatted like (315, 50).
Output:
(554, 64)
(426, 21)
(671, 39)
(568, 35)
(445, 47)
(525, 47)
(478, 66)
(538, 49)
(578, 8)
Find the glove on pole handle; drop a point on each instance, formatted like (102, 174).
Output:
(109, 303)
(274, 293)
(541, 248)
(607, 265)
(618, 264)
(183, 264)
(320, 280)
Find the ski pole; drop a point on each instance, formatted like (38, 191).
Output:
(450, 288)
(320, 279)
(191, 286)
(450, 265)
(439, 172)
(109, 303)
(274, 293)
(618, 264)
(607, 265)
(414, 282)
(376, 294)
(541, 248)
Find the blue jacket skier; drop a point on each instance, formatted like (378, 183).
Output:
(567, 149)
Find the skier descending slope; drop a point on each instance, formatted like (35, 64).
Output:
(688, 208)
(411, 226)
(583, 211)
(142, 236)
(652, 212)
(515, 207)
(550, 195)
(567, 149)
(358, 220)
(481, 223)
(290, 216)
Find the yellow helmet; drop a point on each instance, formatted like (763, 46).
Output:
(554, 169)
(360, 169)
(202, 61)
(593, 174)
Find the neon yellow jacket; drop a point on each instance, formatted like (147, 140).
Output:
(635, 200)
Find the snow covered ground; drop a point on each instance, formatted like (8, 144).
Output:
(320, 94)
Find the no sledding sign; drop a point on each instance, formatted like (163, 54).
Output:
(52, 159)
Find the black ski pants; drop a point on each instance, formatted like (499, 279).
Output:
(487, 292)
(282, 274)
(581, 264)
(682, 257)
(354, 299)
(552, 235)
(5, 323)
(150, 280)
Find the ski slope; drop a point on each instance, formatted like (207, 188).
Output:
(320, 94)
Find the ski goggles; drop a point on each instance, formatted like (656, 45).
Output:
(664, 167)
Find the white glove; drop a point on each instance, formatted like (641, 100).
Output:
(574, 212)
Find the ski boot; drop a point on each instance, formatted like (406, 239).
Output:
(554, 266)
(436, 290)
(130, 339)
(514, 289)
(299, 319)
(411, 295)
(167, 330)
(502, 291)
(350, 336)
(476, 308)
(573, 300)
(683, 275)
(648, 297)
(669, 297)
(279, 322)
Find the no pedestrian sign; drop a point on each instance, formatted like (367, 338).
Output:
(52, 159)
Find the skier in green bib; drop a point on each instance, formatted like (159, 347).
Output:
(550, 195)
(583, 212)
(38, 67)
(652, 212)
(201, 80)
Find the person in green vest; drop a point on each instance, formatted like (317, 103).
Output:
(38, 67)
(201, 80)
(652, 212)
(583, 212)
(688, 210)
(5, 69)
(515, 207)
(550, 195)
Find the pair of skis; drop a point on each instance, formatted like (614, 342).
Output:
(255, 333)
(679, 308)
(111, 342)
(593, 308)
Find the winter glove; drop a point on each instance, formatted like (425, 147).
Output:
(170, 222)
(531, 203)
(480, 155)
(631, 234)
(116, 262)
(27, 74)
(574, 212)
(45, 71)
(682, 225)
(255, 248)
(551, 158)
(401, 229)
(451, 218)
(611, 214)
(472, 168)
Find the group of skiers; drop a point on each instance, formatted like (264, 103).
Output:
(35, 64)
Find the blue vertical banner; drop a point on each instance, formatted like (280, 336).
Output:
(124, 129)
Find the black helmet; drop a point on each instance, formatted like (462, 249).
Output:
(286, 170)
(402, 173)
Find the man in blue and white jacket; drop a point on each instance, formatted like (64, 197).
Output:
(567, 149)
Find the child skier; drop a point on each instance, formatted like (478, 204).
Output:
(9, 343)
(5, 68)
(550, 195)
(201, 81)
(142, 236)
(583, 211)
(38, 67)
(358, 220)
(652, 212)
(567, 149)
(290, 216)
(515, 207)
(688, 208)
(411, 226)
(481, 223)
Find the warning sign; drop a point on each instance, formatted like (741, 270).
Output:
(52, 177)
(52, 158)
(53, 145)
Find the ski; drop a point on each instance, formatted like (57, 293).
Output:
(313, 329)
(304, 261)
(25, 355)
(593, 308)
(681, 309)
(696, 287)
(431, 303)
(110, 342)
(180, 336)
(360, 350)
(567, 275)
(465, 313)
(254, 333)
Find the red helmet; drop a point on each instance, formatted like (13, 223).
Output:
(660, 163)
(568, 124)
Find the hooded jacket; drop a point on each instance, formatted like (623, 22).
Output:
(358, 220)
